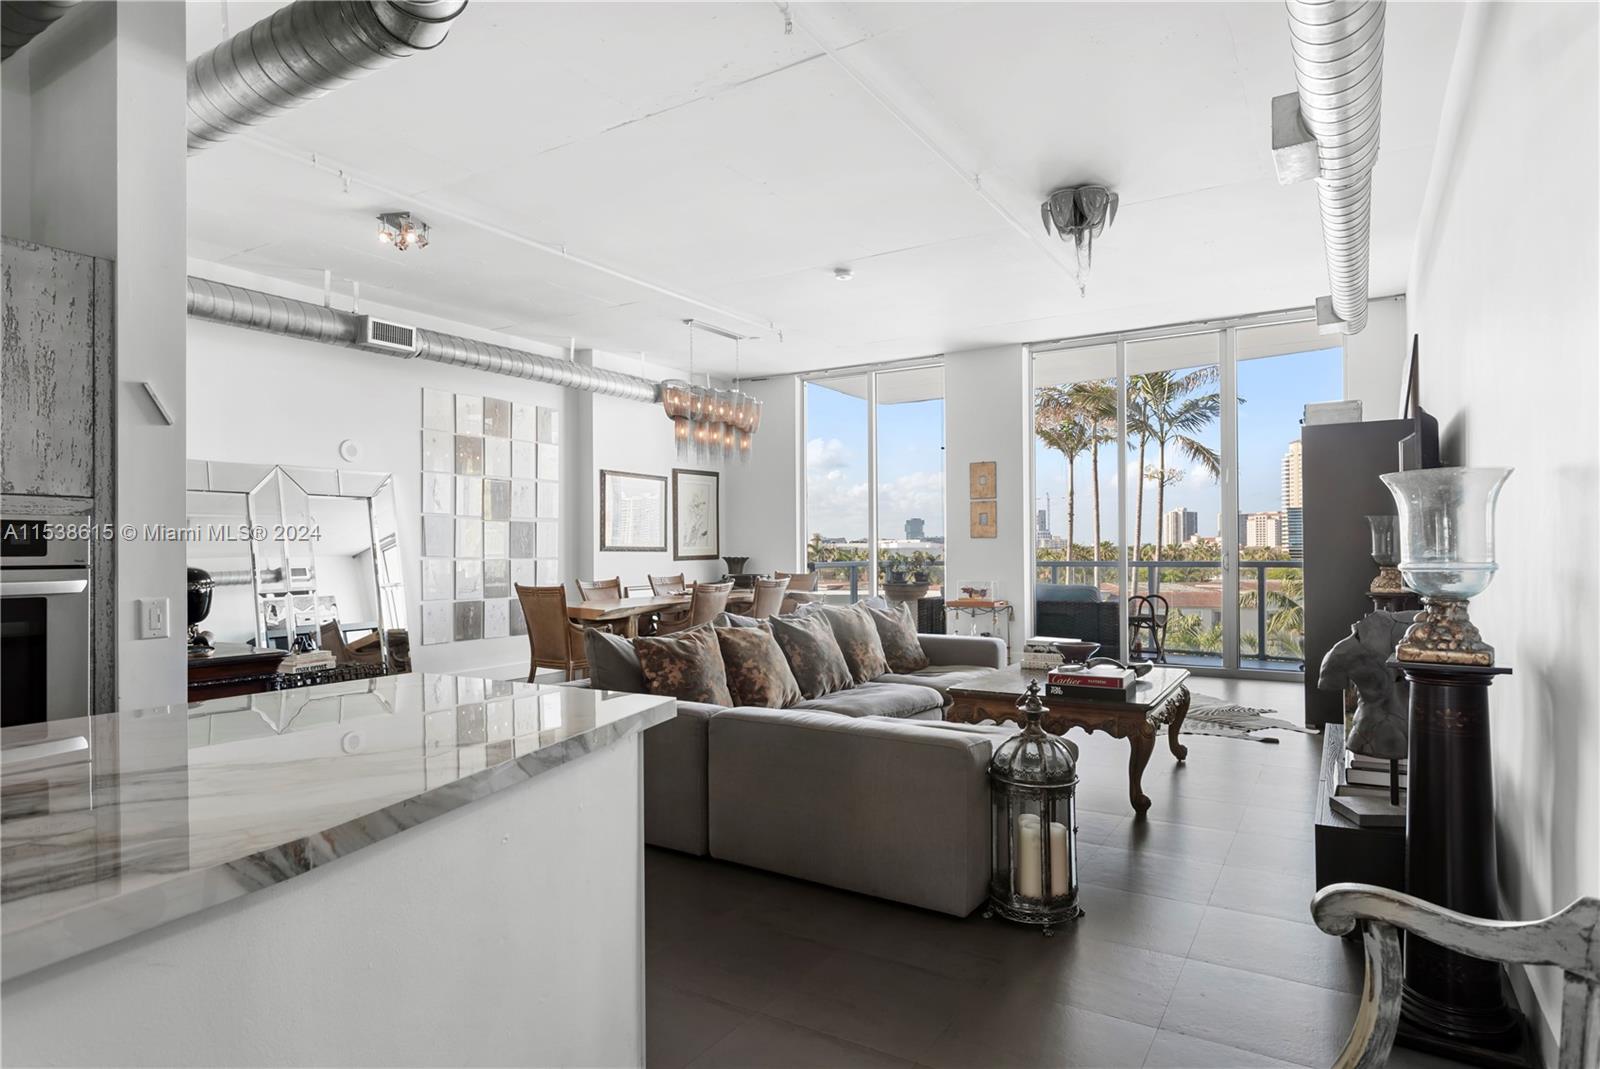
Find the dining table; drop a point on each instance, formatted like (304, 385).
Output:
(625, 613)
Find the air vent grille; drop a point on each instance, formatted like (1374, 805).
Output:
(387, 337)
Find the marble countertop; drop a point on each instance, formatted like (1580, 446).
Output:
(112, 825)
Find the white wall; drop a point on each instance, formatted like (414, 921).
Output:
(1375, 360)
(763, 498)
(261, 398)
(1505, 304)
(986, 416)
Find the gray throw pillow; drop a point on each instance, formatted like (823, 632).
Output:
(728, 619)
(686, 665)
(613, 662)
(901, 648)
(858, 639)
(758, 675)
(813, 654)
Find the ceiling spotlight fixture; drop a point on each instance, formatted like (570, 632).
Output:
(402, 230)
(1079, 215)
(843, 274)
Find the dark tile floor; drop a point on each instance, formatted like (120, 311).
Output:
(1196, 949)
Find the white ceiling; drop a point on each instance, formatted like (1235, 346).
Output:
(703, 151)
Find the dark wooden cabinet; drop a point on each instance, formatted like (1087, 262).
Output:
(1340, 465)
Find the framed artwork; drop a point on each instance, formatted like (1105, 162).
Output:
(633, 512)
(980, 480)
(696, 517)
(983, 520)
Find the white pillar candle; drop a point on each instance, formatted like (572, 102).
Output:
(1059, 884)
(1026, 861)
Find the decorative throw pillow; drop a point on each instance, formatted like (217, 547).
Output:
(858, 638)
(728, 619)
(813, 654)
(757, 673)
(899, 638)
(687, 666)
(613, 662)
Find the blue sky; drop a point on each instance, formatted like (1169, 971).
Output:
(911, 455)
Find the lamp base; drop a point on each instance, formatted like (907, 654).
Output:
(1442, 634)
(1387, 581)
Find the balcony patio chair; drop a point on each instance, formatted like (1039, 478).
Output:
(1569, 940)
(554, 641)
(708, 600)
(1147, 614)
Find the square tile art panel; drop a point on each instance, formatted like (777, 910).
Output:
(490, 469)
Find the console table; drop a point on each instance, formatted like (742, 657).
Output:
(1160, 700)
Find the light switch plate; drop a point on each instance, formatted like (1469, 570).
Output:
(154, 617)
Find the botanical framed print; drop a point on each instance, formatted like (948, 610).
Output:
(696, 517)
(980, 480)
(633, 512)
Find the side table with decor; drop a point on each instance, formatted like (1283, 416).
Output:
(1033, 783)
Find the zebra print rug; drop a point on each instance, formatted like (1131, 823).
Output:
(1213, 716)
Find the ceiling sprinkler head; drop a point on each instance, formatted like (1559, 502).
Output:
(843, 274)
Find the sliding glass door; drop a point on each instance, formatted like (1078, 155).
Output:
(1186, 440)
(874, 480)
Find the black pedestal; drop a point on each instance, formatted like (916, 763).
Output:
(1453, 1004)
(1404, 601)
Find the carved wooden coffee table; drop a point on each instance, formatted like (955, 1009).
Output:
(1160, 700)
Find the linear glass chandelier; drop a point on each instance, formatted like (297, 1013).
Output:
(709, 423)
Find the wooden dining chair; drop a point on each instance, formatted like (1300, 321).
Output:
(554, 641)
(661, 585)
(798, 580)
(706, 603)
(768, 600)
(590, 589)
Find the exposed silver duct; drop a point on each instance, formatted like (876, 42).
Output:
(237, 306)
(23, 20)
(1338, 70)
(301, 52)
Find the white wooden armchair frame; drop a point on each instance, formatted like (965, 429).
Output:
(1569, 940)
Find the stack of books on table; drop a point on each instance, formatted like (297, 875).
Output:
(1366, 775)
(1103, 682)
(309, 661)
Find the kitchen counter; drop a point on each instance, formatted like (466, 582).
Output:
(115, 825)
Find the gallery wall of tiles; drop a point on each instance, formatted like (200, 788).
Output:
(490, 501)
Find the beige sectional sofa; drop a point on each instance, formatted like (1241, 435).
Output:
(856, 789)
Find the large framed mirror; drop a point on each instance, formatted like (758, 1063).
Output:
(293, 558)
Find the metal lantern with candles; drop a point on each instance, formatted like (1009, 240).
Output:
(1033, 783)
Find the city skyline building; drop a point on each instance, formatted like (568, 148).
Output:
(1178, 526)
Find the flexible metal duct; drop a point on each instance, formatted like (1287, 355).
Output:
(301, 52)
(237, 306)
(23, 20)
(1338, 70)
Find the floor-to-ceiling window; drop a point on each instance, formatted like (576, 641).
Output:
(874, 480)
(1180, 448)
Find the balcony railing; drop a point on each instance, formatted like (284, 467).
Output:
(852, 578)
(1270, 606)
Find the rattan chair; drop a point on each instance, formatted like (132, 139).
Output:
(590, 590)
(707, 602)
(554, 641)
(768, 600)
(661, 585)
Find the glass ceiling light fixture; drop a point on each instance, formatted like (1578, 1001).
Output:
(1080, 214)
(706, 421)
(402, 230)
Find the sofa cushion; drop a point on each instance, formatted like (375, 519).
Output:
(940, 677)
(758, 675)
(898, 635)
(613, 662)
(858, 638)
(733, 619)
(894, 700)
(813, 654)
(686, 665)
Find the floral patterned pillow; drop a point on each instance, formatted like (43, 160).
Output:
(757, 673)
(899, 637)
(813, 654)
(858, 638)
(687, 666)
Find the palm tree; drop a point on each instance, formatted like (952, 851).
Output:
(1097, 403)
(1173, 411)
(1060, 424)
